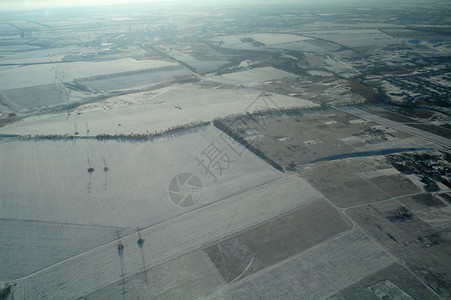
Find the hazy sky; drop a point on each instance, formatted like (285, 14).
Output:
(42, 4)
(32, 4)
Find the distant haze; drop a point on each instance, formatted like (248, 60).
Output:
(33, 4)
(43, 4)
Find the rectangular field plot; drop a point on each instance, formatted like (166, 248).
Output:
(423, 247)
(273, 39)
(276, 240)
(187, 277)
(31, 75)
(306, 46)
(35, 96)
(345, 182)
(357, 38)
(201, 66)
(317, 273)
(298, 140)
(137, 79)
(153, 111)
(258, 75)
(259, 40)
(50, 181)
(394, 282)
(28, 246)
(100, 267)
(128, 186)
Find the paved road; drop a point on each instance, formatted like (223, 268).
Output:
(442, 141)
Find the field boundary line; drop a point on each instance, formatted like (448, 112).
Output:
(143, 230)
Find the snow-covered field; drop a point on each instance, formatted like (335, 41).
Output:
(31, 87)
(52, 181)
(153, 111)
(202, 66)
(187, 277)
(28, 246)
(306, 46)
(17, 48)
(34, 96)
(69, 53)
(70, 21)
(356, 37)
(100, 267)
(8, 29)
(274, 39)
(138, 79)
(270, 39)
(25, 25)
(42, 56)
(47, 184)
(31, 75)
(278, 41)
(317, 273)
(340, 68)
(250, 77)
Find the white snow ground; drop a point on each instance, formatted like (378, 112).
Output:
(153, 111)
(250, 77)
(46, 189)
(316, 273)
(32, 75)
(101, 266)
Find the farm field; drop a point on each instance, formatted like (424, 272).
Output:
(355, 38)
(169, 240)
(306, 46)
(201, 66)
(319, 87)
(276, 240)
(432, 136)
(405, 227)
(337, 67)
(234, 258)
(344, 182)
(137, 79)
(299, 139)
(39, 95)
(50, 185)
(189, 276)
(250, 77)
(271, 41)
(239, 42)
(42, 55)
(153, 111)
(14, 48)
(274, 39)
(243, 150)
(395, 281)
(314, 274)
(30, 245)
(26, 76)
(8, 29)
(404, 209)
